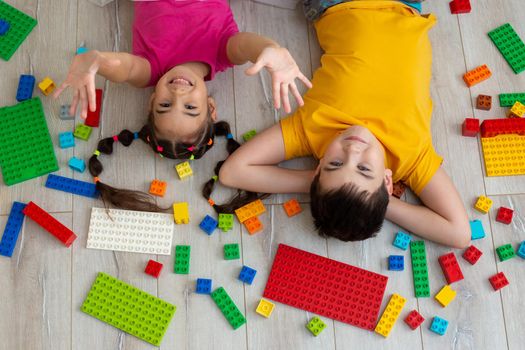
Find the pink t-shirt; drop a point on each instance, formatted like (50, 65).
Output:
(171, 32)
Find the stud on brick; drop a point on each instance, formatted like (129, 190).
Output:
(12, 229)
(477, 75)
(181, 213)
(64, 113)
(401, 240)
(184, 170)
(460, 6)
(414, 319)
(316, 326)
(247, 274)
(49, 223)
(390, 315)
(517, 110)
(26, 84)
(182, 259)
(483, 204)
(153, 268)
(470, 127)
(231, 251)
(250, 210)
(249, 135)
(66, 139)
(77, 164)
(225, 222)
(208, 224)
(510, 46)
(93, 118)
(253, 225)
(450, 267)
(228, 308)
(265, 308)
(498, 281)
(472, 254)
(158, 188)
(484, 102)
(21, 25)
(73, 186)
(420, 269)
(292, 207)
(82, 132)
(396, 262)
(505, 252)
(439, 325)
(504, 215)
(4, 27)
(203, 286)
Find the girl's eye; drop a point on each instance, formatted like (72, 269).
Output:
(362, 168)
(190, 107)
(336, 163)
(165, 105)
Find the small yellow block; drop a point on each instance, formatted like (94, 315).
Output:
(265, 308)
(390, 315)
(184, 170)
(181, 213)
(483, 204)
(517, 110)
(445, 295)
(47, 86)
(250, 210)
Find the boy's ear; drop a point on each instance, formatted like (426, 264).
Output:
(212, 108)
(388, 181)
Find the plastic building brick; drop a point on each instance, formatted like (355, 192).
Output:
(249, 135)
(203, 286)
(402, 240)
(483, 204)
(250, 210)
(64, 113)
(445, 295)
(27, 149)
(184, 170)
(93, 118)
(420, 269)
(231, 251)
(521, 250)
(208, 224)
(253, 225)
(77, 164)
(470, 127)
(505, 126)
(484, 102)
(504, 215)
(390, 315)
(247, 274)
(81, 50)
(20, 25)
(4, 27)
(292, 207)
(316, 326)
(507, 100)
(46, 86)
(12, 229)
(399, 189)
(414, 319)
(26, 84)
(225, 222)
(73, 186)
(153, 268)
(128, 309)
(326, 287)
(477, 75)
(476, 230)
(49, 223)
(130, 231)
(181, 213)
(472, 254)
(460, 6)
(505, 252)
(439, 325)
(82, 132)
(265, 308)
(158, 188)
(66, 139)
(450, 267)
(510, 45)
(517, 110)
(228, 307)
(498, 281)
(182, 259)
(504, 154)
(396, 262)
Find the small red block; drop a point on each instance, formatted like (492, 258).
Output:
(472, 254)
(498, 281)
(93, 118)
(470, 127)
(504, 215)
(414, 319)
(460, 6)
(153, 268)
(450, 268)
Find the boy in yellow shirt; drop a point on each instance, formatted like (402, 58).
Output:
(367, 119)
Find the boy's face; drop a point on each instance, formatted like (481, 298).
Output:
(354, 156)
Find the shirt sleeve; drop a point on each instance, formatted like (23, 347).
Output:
(294, 138)
(230, 29)
(428, 163)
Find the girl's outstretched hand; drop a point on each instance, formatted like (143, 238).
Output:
(283, 70)
(81, 78)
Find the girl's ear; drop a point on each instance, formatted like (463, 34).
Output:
(212, 110)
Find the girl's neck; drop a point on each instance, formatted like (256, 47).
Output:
(199, 68)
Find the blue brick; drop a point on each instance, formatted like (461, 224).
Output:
(402, 240)
(521, 250)
(208, 224)
(66, 184)
(66, 139)
(247, 274)
(26, 84)
(203, 286)
(476, 229)
(64, 113)
(396, 262)
(77, 164)
(439, 325)
(12, 229)
(4, 27)
(81, 50)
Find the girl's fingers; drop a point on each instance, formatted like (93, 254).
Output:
(60, 89)
(73, 108)
(84, 101)
(92, 95)
(276, 92)
(296, 94)
(305, 80)
(284, 97)
(254, 69)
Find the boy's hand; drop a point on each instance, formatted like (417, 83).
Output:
(81, 78)
(283, 70)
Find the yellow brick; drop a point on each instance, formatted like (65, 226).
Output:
(265, 308)
(46, 86)
(517, 110)
(184, 170)
(504, 154)
(445, 295)
(250, 210)
(390, 315)
(483, 204)
(181, 213)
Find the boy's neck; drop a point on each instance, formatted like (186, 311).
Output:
(199, 68)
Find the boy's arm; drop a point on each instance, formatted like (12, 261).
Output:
(442, 219)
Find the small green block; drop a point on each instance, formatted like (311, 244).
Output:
(231, 251)
(420, 269)
(508, 100)
(182, 259)
(228, 307)
(225, 222)
(316, 326)
(82, 132)
(20, 25)
(249, 135)
(505, 252)
(510, 45)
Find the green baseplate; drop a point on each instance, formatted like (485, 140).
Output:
(420, 269)
(26, 147)
(510, 46)
(228, 308)
(128, 308)
(20, 25)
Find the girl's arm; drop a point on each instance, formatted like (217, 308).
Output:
(442, 219)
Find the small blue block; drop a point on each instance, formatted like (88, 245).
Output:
(77, 164)
(402, 240)
(203, 286)
(81, 50)
(208, 224)
(247, 274)
(439, 325)
(64, 113)
(476, 228)
(12, 229)
(4, 27)
(396, 262)
(521, 250)
(26, 84)
(66, 139)
(66, 184)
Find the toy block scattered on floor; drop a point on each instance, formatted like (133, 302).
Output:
(66, 139)
(81, 49)
(49, 223)
(450, 267)
(82, 132)
(504, 154)
(504, 215)
(292, 207)
(231, 251)
(93, 118)
(483, 204)
(158, 188)
(208, 224)
(203, 286)
(316, 326)
(26, 84)
(399, 189)
(505, 126)
(420, 269)
(296, 275)
(484, 102)
(390, 315)
(439, 325)
(510, 45)
(472, 254)
(228, 308)
(459, 6)
(225, 222)
(477, 75)
(12, 229)
(445, 295)
(402, 240)
(253, 225)
(521, 250)
(128, 309)
(265, 308)
(414, 319)
(505, 252)
(77, 164)
(4, 27)
(476, 229)
(182, 259)
(27, 149)
(250, 210)
(153, 268)
(20, 25)
(184, 170)
(508, 99)
(470, 127)
(46, 86)
(498, 281)
(130, 231)
(181, 213)
(249, 135)
(247, 274)
(73, 186)
(517, 110)
(396, 262)
(64, 113)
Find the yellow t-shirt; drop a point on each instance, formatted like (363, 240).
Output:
(375, 72)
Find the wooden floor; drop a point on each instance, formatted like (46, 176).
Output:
(44, 284)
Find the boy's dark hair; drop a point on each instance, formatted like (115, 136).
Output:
(348, 213)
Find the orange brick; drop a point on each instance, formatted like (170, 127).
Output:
(158, 188)
(477, 75)
(253, 225)
(292, 207)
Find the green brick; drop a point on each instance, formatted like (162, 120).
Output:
(128, 308)
(231, 251)
(249, 135)
(510, 45)
(20, 25)
(228, 307)
(225, 222)
(182, 259)
(316, 326)
(420, 269)
(82, 132)
(505, 252)
(508, 100)
(26, 149)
